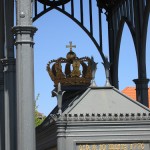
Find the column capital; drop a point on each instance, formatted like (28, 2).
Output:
(141, 81)
(24, 30)
(142, 90)
(24, 34)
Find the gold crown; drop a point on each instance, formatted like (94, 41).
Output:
(77, 71)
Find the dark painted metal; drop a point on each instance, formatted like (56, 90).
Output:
(63, 7)
(85, 30)
(81, 10)
(9, 79)
(44, 7)
(100, 28)
(80, 22)
(132, 12)
(53, 3)
(2, 113)
(91, 18)
(72, 8)
(35, 8)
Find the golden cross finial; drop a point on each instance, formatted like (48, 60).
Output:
(70, 46)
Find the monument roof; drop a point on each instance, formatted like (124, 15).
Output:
(93, 108)
(101, 102)
(104, 100)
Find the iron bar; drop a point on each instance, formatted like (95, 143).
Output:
(125, 6)
(129, 17)
(118, 18)
(128, 9)
(72, 8)
(81, 10)
(100, 28)
(44, 7)
(115, 27)
(124, 10)
(131, 12)
(35, 7)
(140, 7)
(91, 17)
(63, 7)
(119, 12)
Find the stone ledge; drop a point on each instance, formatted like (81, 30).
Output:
(101, 117)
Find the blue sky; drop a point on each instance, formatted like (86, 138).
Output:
(55, 31)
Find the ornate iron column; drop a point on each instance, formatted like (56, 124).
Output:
(113, 70)
(107, 5)
(142, 81)
(24, 32)
(2, 122)
(9, 78)
(142, 90)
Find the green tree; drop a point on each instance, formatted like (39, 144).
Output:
(39, 118)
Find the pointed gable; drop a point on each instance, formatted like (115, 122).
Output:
(106, 100)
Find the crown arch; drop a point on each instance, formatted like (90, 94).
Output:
(79, 21)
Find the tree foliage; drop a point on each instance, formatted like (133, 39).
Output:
(39, 118)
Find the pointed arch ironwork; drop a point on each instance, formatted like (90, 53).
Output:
(79, 22)
(121, 26)
(146, 18)
(123, 21)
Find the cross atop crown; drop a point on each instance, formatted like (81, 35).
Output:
(70, 46)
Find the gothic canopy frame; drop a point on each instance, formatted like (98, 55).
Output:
(60, 6)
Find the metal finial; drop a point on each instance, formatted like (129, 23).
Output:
(59, 87)
(70, 46)
(59, 94)
(107, 71)
(94, 68)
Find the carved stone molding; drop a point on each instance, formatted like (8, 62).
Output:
(101, 117)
